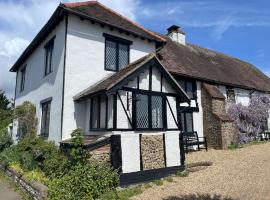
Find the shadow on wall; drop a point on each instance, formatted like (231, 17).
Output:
(199, 197)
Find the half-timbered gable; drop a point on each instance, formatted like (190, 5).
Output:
(142, 96)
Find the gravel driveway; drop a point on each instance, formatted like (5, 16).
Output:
(235, 174)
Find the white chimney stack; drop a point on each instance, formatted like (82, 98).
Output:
(176, 34)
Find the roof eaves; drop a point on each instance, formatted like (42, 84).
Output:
(158, 39)
(56, 16)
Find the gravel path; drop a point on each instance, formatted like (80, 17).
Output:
(235, 174)
(7, 192)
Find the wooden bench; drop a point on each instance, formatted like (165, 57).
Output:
(192, 139)
(265, 135)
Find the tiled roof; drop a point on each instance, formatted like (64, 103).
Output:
(204, 64)
(96, 10)
(109, 83)
(213, 91)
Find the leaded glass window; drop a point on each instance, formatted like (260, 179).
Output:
(142, 115)
(116, 54)
(149, 111)
(189, 87)
(157, 115)
(187, 122)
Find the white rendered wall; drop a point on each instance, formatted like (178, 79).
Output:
(85, 64)
(130, 148)
(198, 116)
(242, 96)
(37, 87)
(172, 149)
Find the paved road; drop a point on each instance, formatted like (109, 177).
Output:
(7, 192)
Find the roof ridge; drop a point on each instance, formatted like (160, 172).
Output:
(86, 3)
(129, 20)
(78, 4)
(231, 57)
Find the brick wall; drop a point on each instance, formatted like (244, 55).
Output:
(152, 152)
(219, 129)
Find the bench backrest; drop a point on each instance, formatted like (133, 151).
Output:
(191, 135)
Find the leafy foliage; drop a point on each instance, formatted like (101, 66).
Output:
(26, 116)
(4, 101)
(84, 182)
(6, 112)
(250, 120)
(46, 155)
(5, 140)
(78, 155)
(9, 156)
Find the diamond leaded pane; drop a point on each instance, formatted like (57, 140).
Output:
(123, 56)
(157, 115)
(111, 49)
(142, 111)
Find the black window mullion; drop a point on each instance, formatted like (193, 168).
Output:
(149, 111)
(164, 112)
(134, 110)
(91, 113)
(98, 114)
(117, 56)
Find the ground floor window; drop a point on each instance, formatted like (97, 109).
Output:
(149, 111)
(187, 121)
(45, 119)
(98, 112)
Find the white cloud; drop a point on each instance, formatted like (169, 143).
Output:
(20, 21)
(127, 8)
(14, 47)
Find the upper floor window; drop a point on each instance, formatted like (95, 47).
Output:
(48, 56)
(45, 119)
(116, 52)
(230, 94)
(23, 72)
(189, 87)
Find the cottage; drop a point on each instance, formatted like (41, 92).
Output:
(91, 68)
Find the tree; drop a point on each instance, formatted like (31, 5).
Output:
(5, 111)
(4, 101)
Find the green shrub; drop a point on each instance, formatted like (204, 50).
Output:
(84, 182)
(9, 155)
(46, 155)
(5, 140)
(27, 120)
(36, 175)
(78, 155)
(28, 161)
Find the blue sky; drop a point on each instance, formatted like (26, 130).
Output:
(235, 27)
